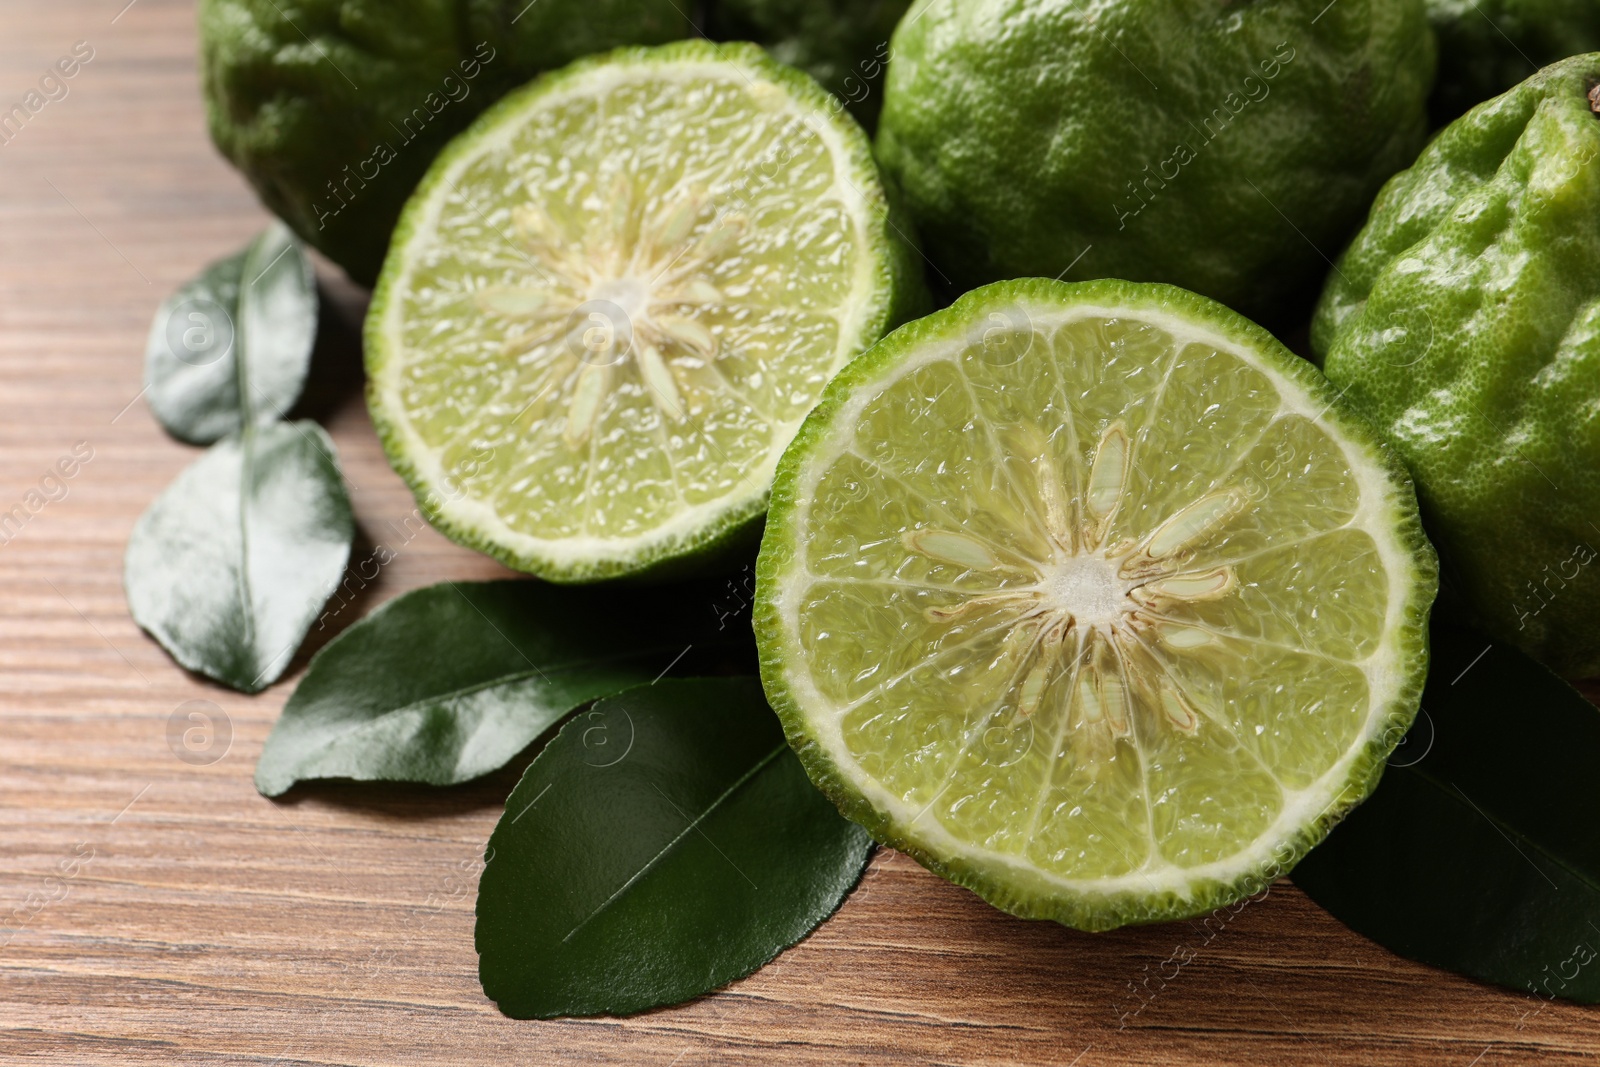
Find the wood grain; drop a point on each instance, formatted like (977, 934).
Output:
(161, 912)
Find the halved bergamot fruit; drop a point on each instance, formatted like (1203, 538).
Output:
(1093, 599)
(612, 301)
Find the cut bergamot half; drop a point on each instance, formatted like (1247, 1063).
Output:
(1093, 599)
(614, 298)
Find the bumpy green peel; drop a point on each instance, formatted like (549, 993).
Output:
(1465, 323)
(334, 108)
(1225, 148)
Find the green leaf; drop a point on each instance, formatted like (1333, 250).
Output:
(665, 842)
(231, 564)
(450, 682)
(233, 345)
(1480, 851)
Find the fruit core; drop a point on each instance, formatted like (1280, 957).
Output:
(1096, 625)
(631, 290)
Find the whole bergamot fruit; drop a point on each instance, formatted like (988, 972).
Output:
(1487, 46)
(333, 109)
(1464, 322)
(844, 44)
(1223, 147)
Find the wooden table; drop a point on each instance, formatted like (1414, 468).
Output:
(161, 912)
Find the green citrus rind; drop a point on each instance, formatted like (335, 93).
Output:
(896, 293)
(1015, 887)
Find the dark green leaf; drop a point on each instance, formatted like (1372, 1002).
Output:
(231, 564)
(666, 842)
(1480, 850)
(448, 683)
(233, 345)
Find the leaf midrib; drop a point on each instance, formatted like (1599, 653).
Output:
(241, 381)
(241, 347)
(499, 680)
(1512, 832)
(694, 824)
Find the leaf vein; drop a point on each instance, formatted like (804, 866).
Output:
(694, 825)
(512, 678)
(1507, 830)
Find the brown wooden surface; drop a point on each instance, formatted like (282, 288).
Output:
(161, 912)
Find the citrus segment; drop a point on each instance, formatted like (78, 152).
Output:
(1092, 599)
